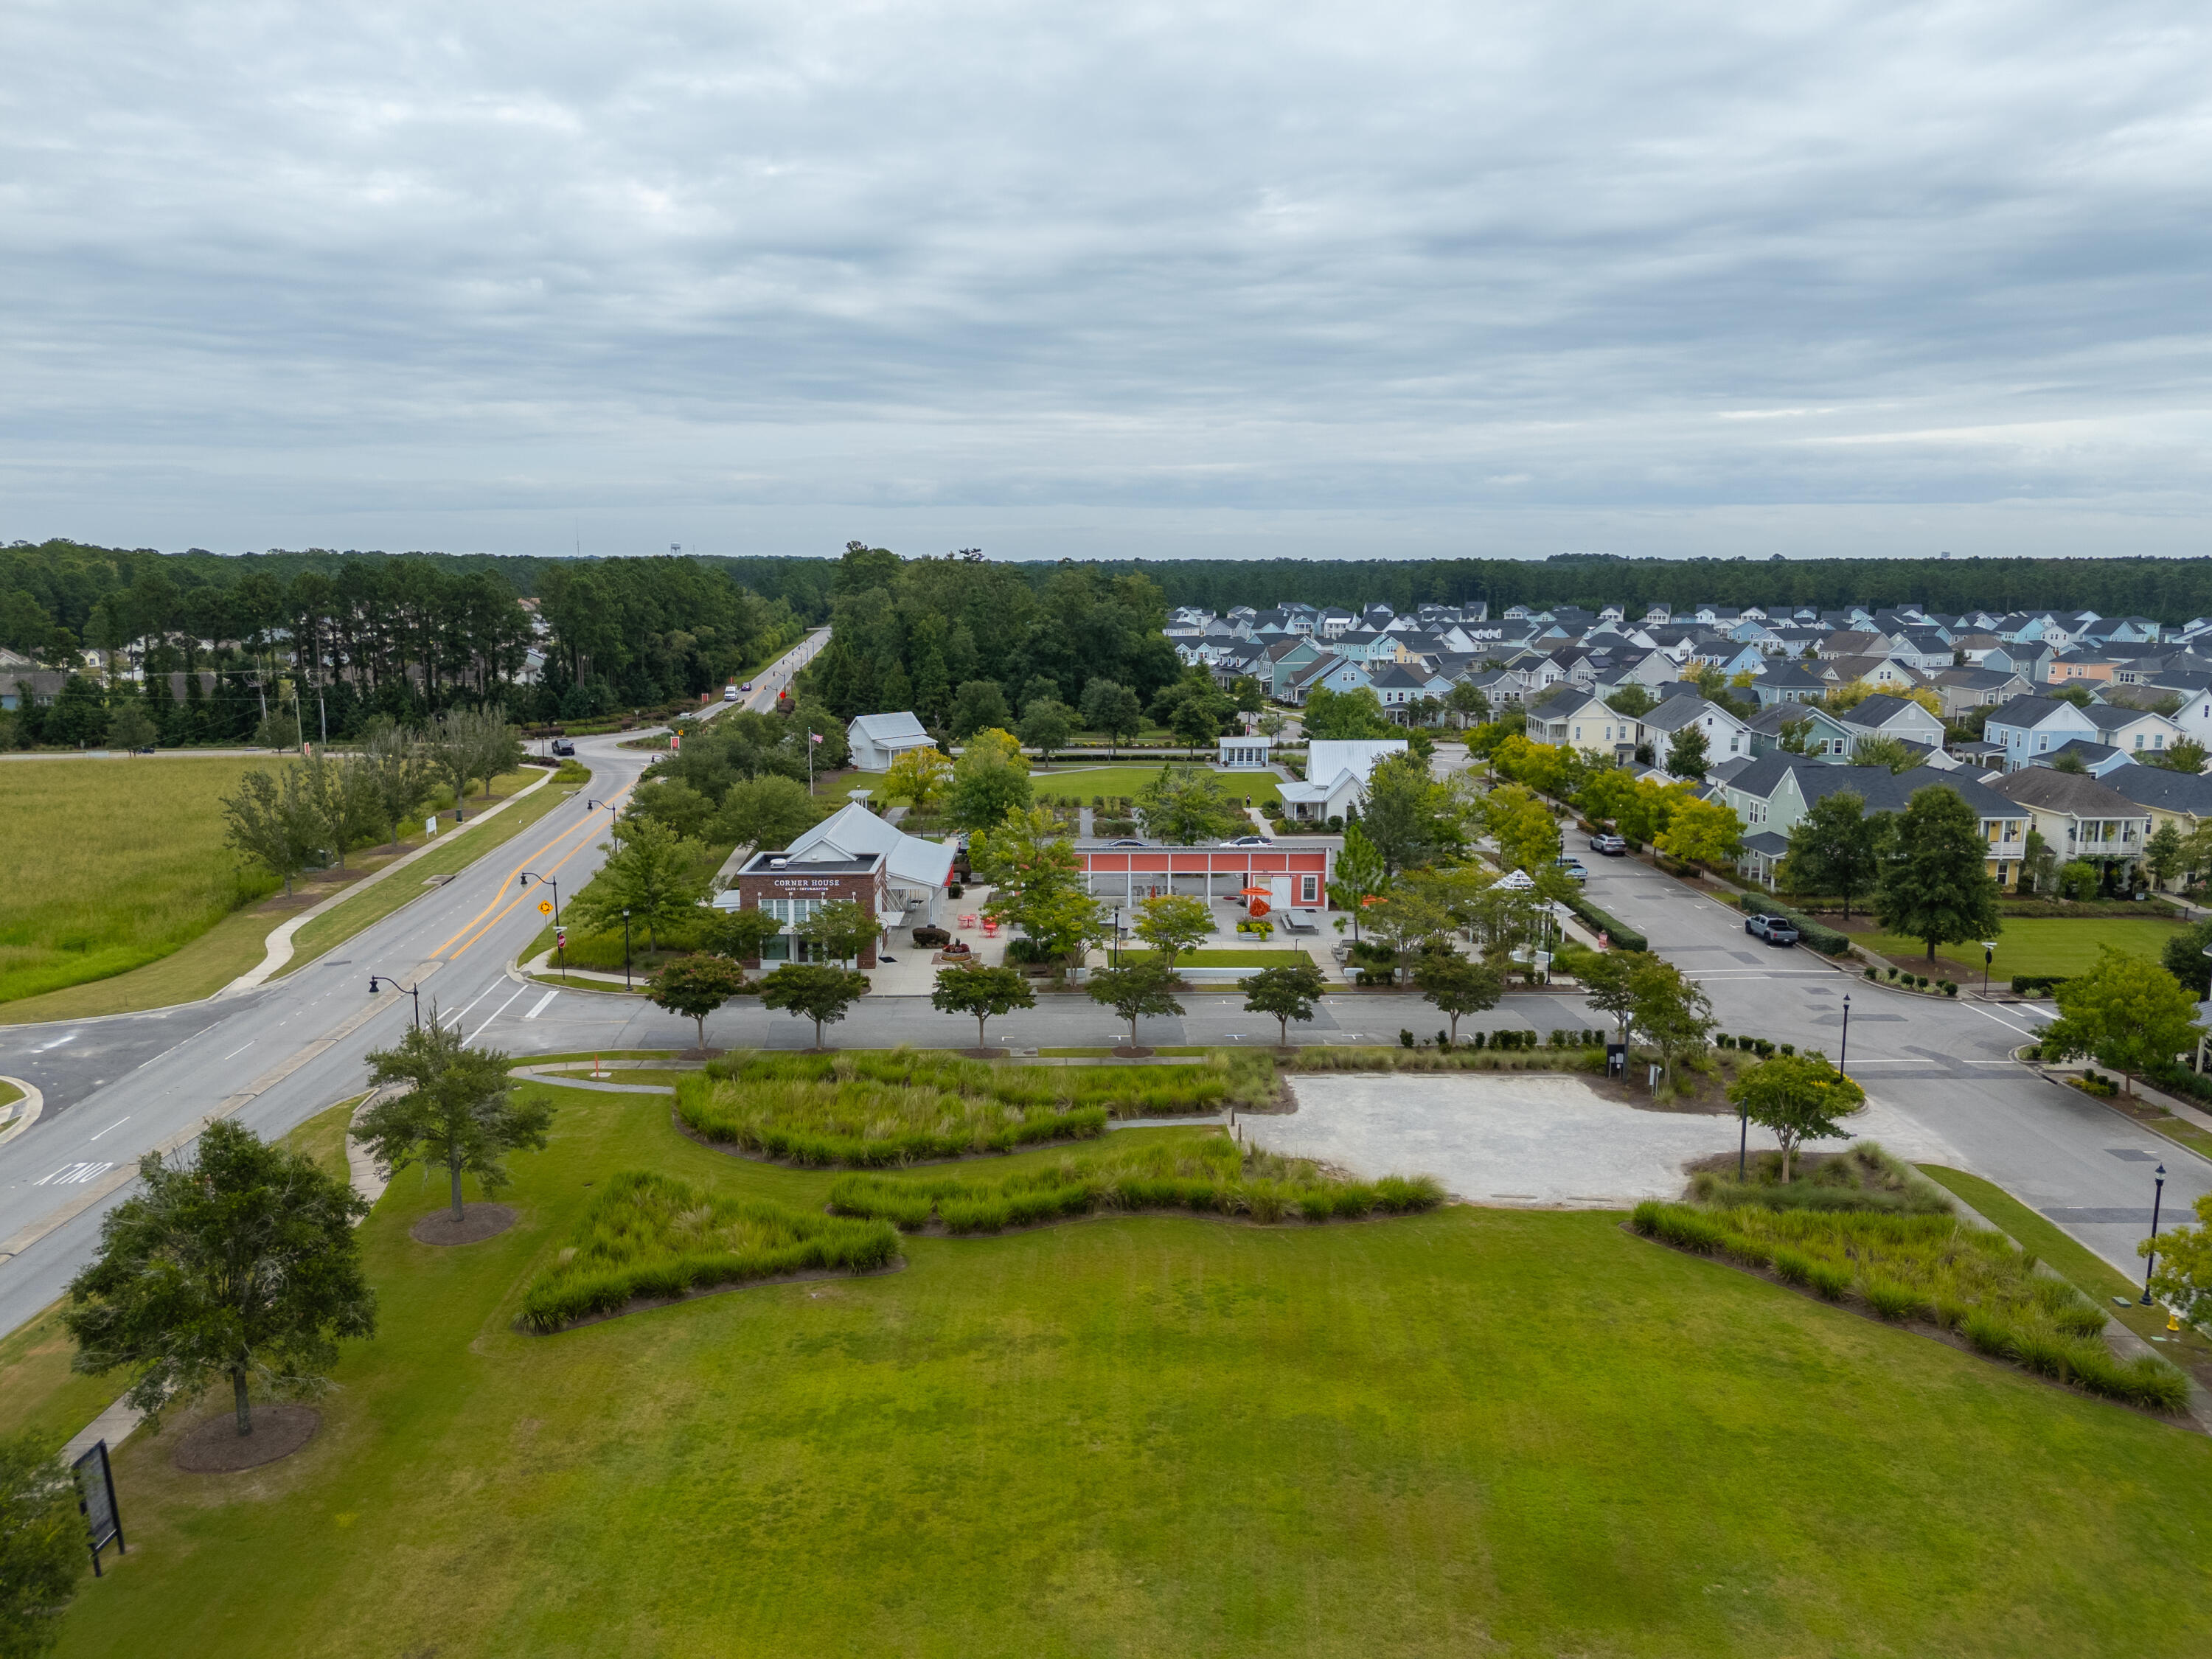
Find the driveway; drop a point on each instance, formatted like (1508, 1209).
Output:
(1526, 1138)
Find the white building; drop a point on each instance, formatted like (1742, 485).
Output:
(1337, 771)
(1244, 754)
(917, 871)
(878, 739)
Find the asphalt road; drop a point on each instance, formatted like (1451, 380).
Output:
(118, 1087)
(123, 1085)
(1943, 1064)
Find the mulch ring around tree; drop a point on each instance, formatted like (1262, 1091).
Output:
(478, 1222)
(214, 1445)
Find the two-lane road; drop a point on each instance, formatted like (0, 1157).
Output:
(1944, 1064)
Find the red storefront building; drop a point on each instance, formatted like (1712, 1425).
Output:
(1295, 876)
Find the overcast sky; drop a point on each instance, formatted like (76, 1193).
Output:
(1202, 279)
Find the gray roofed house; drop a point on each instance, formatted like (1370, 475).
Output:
(2079, 817)
(1789, 682)
(1895, 717)
(1826, 737)
(878, 739)
(1775, 790)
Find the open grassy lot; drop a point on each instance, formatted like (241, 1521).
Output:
(2036, 945)
(127, 897)
(1508, 1432)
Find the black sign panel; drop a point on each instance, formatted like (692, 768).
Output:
(95, 1490)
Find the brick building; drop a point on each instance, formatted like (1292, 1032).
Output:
(791, 886)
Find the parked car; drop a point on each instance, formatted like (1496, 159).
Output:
(1247, 841)
(563, 746)
(1124, 841)
(1775, 930)
(1612, 847)
(1572, 869)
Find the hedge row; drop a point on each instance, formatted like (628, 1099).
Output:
(1826, 940)
(2024, 983)
(1618, 932)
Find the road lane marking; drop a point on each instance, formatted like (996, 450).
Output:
(497, 1012)
(543, 1003)
(241, 1049)
(118, 1124)
(477, 998)
(475, 932)
(73, 1174)
(2006, 1023)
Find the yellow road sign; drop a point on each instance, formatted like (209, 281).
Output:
(545, 907)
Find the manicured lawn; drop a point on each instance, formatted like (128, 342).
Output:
(1232, 958)
(127, 898)
(1501, 1431)
(2038, 944)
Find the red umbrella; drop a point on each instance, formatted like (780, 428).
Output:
(1255, 892)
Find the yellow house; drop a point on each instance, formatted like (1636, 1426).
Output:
(1576, 719)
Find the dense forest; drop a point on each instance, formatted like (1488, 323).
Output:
(359, 635)
(911, 633)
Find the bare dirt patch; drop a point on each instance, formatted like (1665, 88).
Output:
(478, 1222)
(214, 1445)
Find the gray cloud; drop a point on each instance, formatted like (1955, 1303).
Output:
(1215, 279)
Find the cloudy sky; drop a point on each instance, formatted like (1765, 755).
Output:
(1205, 279)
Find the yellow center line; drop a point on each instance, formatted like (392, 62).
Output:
(469, 926)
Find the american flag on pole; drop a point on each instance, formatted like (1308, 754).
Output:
(814, 737)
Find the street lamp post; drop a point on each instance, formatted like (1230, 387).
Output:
(2158, 1198)
(1988, 951)
(1843, 1047)
(374, 987)
(559, 938)
(626, 985)
(1742, 1138)
(1118, 937)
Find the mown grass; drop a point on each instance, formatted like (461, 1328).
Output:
(200, 963)
(650, 1236)
(1211, 1175)
(2038, 944)
(1931, 1267)
(1232, 957)
(874, 1110)
(9, 1094)
(1519, 1433)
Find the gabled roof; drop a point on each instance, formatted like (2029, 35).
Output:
(1877, 711)
(2065, 792)
(853, 832)
(2113, 717)
(1880, 790)
(2027, 711)
(903, 728)
(2170, 792)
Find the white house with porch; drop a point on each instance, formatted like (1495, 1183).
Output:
(876, 740)
(1337, 771)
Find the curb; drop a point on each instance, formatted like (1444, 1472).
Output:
(27, 1109)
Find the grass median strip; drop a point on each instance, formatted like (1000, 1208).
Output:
(463, 848)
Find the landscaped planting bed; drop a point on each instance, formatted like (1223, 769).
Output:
(1929, 1269)
(874, 1110)
(1213, 1176)
(652, 1238)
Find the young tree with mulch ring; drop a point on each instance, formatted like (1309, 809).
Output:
(1937, 887)
(1172, 923)
(459, 1113)
(981, 993)
(695, 987)
(241, 1262)
(1798, 1097)
(1145, 986)
(814, 991)
(1285, 995)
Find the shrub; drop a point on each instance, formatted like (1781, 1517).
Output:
(1830, 1282)
(1213, 1176)
(1893, 1301)
(931, 938)
(1618, 934)
(1987, 1333)
(1793, 1267)
(2036, 984)
(648, 1235)
(1869, 973)
(1405, 1038)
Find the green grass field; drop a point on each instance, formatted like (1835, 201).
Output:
(1236, 958)
(126, 898)
(2036, 945)
(1511, 1432)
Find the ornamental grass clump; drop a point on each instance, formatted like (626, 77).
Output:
(875, 1110)
(649, 1236)
(1907, 1266)
(1213, 1176)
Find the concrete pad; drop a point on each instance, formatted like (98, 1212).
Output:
(1525, 1137)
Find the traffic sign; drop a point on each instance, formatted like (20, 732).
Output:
(545, 907)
